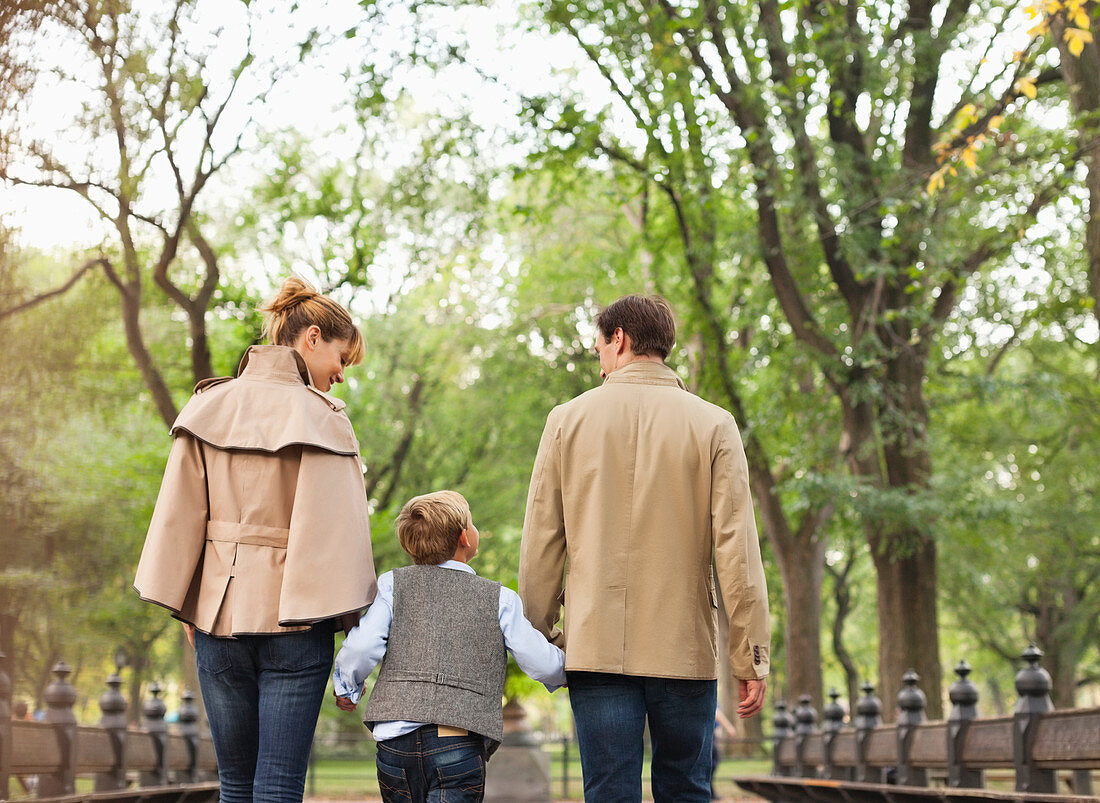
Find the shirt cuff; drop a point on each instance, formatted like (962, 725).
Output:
(345, 689)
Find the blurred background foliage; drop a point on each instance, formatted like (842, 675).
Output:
(475, 180)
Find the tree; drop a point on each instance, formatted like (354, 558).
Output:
(1016, 428)
(81, 463)
(19, 21)
(1072, 25)
(164, 109)
(824, 118)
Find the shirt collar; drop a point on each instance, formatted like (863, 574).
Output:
(457, 564)
(646, 372)
(275, 363)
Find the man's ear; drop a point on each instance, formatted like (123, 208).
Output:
(464, 540)
(623, 345)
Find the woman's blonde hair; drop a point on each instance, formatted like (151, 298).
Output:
(429, 526)
(297, 306)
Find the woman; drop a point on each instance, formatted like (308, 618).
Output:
(260, 541)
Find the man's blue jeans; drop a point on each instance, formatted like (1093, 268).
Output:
(262, 697)
(610, 713)
(424, 766)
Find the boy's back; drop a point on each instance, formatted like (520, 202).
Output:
(441, 634)
(445, 660)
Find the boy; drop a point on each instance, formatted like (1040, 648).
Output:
(441, 633)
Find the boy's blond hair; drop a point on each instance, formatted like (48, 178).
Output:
(429, 526)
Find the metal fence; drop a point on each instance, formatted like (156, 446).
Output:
(111, 761)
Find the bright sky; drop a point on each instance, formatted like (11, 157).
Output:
(313, 98)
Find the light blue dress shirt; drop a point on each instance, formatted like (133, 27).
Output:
(365, 646)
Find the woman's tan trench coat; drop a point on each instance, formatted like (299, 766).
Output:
(261, 522)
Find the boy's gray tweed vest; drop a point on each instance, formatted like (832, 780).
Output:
(445, 658)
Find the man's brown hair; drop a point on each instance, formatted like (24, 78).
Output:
(429, 526)
(647, 319)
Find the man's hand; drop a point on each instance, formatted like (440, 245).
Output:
(190, 631)
(344, 703)
(751, 693)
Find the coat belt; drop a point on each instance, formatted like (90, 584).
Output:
(253, 534)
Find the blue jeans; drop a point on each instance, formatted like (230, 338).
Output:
(262, 697)
(610, 713)
(425, 767)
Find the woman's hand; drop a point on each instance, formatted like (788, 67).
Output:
(348, 621)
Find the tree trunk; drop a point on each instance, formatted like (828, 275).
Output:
(1082, 75)
(904, 556)
(138, 663)
(1061, 651)
(907, 624)
(801, 566)
(135, 342)
(7, 641)
(201, 366)
(842, 594)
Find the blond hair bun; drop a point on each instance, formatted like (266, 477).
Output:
(297, 306)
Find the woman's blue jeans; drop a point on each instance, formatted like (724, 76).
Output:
(610, 712)
(424, 767)
(262, 696)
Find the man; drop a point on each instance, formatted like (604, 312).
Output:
(637, 485)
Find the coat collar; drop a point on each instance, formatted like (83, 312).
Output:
(274, 363)
(646, 372)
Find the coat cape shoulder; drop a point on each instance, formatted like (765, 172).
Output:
(266, 411)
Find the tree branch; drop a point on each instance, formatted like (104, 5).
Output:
(64, 288)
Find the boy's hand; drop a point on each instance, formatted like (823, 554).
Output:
(344, 703)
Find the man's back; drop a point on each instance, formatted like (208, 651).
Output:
(636, 485)
(646, 479)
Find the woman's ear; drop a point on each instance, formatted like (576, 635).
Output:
(313, 334)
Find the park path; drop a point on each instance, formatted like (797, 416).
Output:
(378, 800)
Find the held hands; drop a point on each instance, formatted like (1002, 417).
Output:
(349, 621)
(751, 693)
(344, 703)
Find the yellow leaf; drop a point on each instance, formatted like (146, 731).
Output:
(1076, 40)
(935, 182)
(969, 158)
(1026, 86)
(995, 121)
(967, 114)
(1039, 30)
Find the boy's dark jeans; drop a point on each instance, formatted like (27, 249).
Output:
(425, 767)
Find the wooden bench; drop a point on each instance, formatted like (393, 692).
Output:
(1051, 753)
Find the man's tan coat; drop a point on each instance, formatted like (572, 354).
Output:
(637, 484)
(261, 523)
